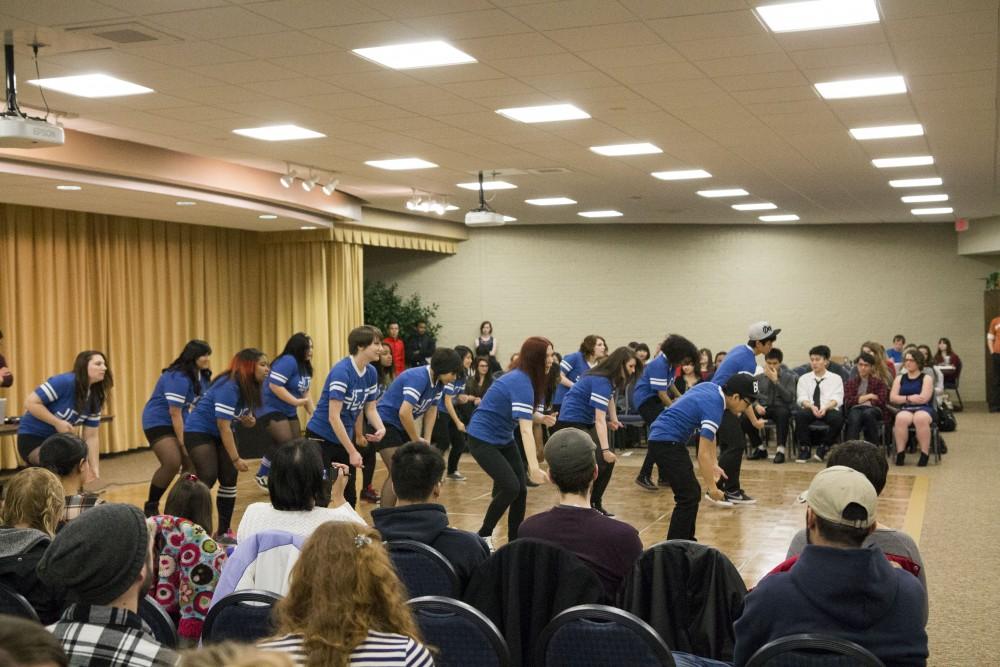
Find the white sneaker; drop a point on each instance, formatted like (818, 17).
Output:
(456, 476)
(489, 543)
(261, 482)
(721, 503)
(739, 498)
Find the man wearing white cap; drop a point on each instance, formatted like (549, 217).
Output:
(837, 587)
(732, 442)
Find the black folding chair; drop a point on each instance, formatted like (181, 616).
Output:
(593, 635)
(159, 621)
(244, 617)
(15, 604)
(424, 570)
(813, 650)
(462, 634)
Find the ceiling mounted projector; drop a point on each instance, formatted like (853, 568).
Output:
(17, 129)
(483, 216)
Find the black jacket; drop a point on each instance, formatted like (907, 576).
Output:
(20, 551)
(419, 348)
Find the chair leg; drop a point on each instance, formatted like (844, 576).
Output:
(961, 405)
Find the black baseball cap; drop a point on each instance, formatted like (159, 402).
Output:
(743, 384)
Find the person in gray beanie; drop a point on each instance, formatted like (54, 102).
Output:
(104, 561)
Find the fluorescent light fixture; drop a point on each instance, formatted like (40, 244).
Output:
(916, 182)
(600, 214)
(762, 206)
(681, 174)
(790, 217)
(817, 14)
(267, 216)
(308, 227)
(887, 131)
(278, 133)
(91, 85)
(550, 201)
(923, 199)
(187, 203)
(912, 161)
(488, 185)
(546, 113)
(508, 218)
(871, 87)
(615, 150)
(415, 55)
(932, 211)
(725, 192)
(401, 164)
(68, 188)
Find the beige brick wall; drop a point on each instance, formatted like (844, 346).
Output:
(838, 285)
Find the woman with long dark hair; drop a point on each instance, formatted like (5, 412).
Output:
(586, 407)
(449, 433)
(593, 348)
(386, 369)
(63, 402)
(511, 400)
(285, 391)
(175, 393)
(208, 433)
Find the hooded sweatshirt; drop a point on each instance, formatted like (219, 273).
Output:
(20, 551)
(853, 594)
(428, 523)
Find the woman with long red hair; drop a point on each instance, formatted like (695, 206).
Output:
(512, 399)
(208, 432)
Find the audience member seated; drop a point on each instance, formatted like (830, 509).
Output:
(65, 454)
(688, 378)
(705, 366)
(33, 505)
(884, 368)
(865, 400)
(104, 561)
(913, 392)
(870, 461)
(945, 356)
(775, 401)
(608, 546)
(295, 486)
(188, 562)
(930, 369)
(720, 356)
(895, 353)
(346, 604)
(838, 587)
(417, 475)
(25, 643)
(819, 396)
(231, 654)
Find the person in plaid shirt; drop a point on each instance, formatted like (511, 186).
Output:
(65, 454)
(104, 561)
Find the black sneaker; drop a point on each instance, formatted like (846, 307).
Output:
(803, 455)
(900, 458)
(779, 457)
(739, 498)
(602, 510)
(664, 483)
(645, 483)
(924, 458)
(758, 454)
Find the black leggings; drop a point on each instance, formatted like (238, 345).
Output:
(334, 452)
(650, 410)
(510, 490)
(447, 437)
(282, 431)
(604, 469)
(211, 464)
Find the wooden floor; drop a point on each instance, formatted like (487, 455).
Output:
(754, 537)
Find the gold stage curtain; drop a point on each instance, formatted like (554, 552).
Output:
(139, 289)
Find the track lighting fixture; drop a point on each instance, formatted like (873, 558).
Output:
(331, 186)
(287, 179)
(315, 176)
(310, 183)
(429, 204)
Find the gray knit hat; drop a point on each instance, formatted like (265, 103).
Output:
(98, 555)
(569, 450)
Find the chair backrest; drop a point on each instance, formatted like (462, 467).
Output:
(596, 634)
(244, 617)
(423, 569)
(813, 650)
(15, 604)
(461, 633)
(159, 621)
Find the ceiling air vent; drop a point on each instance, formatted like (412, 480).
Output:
(543, 171)
(126, 36)
(124, 33)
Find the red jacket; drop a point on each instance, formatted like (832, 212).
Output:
(398, 358)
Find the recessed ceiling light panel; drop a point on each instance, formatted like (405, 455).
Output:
(724, 192)
(267, 216)
(401, 164)
(550, 201)
(916, 182)
(488, 185)
(911, 161)
(681, 174)
(68, 188)
(278, 133)
(761, 206)
(91, 85)
(943, 210)
(788, 217)
(544, 114)
(617, 150)
(600, 214)
(187, 203)
(870, 87)
(887, 131)
(817, 14)
(923, 199)
(416, 55)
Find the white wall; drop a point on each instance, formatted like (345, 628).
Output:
(838, 285)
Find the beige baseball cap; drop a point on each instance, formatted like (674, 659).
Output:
(834, 490)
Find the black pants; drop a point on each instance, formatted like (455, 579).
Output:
(510, 491)
(995, 394)
(675, 464)
(781, 415)
(650, 410)
(334, 452)
(732, 443)
(863, 418)
(447, 438)
(833, 418)
(604, 469)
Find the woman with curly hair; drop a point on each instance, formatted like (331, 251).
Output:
(346, 605)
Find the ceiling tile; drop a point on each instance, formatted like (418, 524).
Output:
(531, 66)
(488, 49)
(665, 72)
(411, 9)
(761, 81)
(277, 45)
(244, 72)
(292, 87)
(215, 22)
(875, 56)
(557, 83)
(328, 63)
(362, 35)
(654, 9)
(604, 37)
(467, 25)
(490, 88)
(60, 13)
(945, 55)
(190, 54)
(808, 40)
(899, 9)
(758, 64)
(571, 14)
(958, 25)
(316, 13)
(707, 26)
(733, 46)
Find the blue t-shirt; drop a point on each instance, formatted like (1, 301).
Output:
(412, 386)
(58, 394)
(284, 373)
(221, 401)
(572, 366)
(701, 406)
(656, 376)
(508, 399)
(895, 355)
(173, 389)
(452, 389)
(591, 392)
(740, 359)
(353, 389)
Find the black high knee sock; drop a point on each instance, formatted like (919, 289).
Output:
(225, 503)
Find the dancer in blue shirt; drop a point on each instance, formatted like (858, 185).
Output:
(592, 350)
(449, 433)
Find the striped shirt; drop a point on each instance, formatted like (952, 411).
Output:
(284, 373)
(353, 388)
(58, 395)
(590, 393)
(379, 649)
(701, 407)
(656, 376)
(222, 402)
(412, 386)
